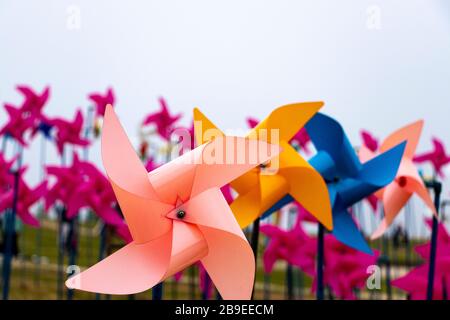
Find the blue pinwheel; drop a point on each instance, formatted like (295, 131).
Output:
(348, 180)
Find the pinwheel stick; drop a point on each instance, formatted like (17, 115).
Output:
(254, 244)
(9, 232)
(320, 262)
(437, 188)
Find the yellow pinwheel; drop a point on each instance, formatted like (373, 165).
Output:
(262, 187)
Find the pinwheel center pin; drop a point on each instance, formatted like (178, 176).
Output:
(181, 214)
(402, 181)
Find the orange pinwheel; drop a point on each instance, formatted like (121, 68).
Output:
(176, 215)
(260, 188)
(407, 182)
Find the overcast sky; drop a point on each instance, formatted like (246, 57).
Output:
(377, 65)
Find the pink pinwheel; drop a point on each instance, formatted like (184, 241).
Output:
(443, 243)
(301, 138)
(151, 164)
(438, 157)
(416, 281)
(6, 178)
(18, 125)
(407, 182)
(163, 120)
(83, 185)
(69, 132)
(345, 268)
(369, 141)
(101, 101)
(28, 117)
(289, 246)
(27, 197)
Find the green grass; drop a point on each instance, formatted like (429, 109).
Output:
(30, 280)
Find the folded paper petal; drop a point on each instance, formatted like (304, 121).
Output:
(346, 231)
(410, 133)
(132, 269)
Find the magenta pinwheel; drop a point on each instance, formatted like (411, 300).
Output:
(416, 283)
(345, 268)
(101, 101)
(369, 140)
(82, 185)
(287, 245)
(163, 120)
(69, 132)
(438, 157)
(27, 197)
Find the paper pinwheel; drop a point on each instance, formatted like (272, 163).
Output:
(82, 185)
(348, 180)
(27, 197)
(6, 178)
(442, 246)
(18, 124)
(29, 117)
(163, 120)
(345, 268)
(177, 216)
(101, 101)
(301, 138)
(438, 157)
(288, 246)
(260, 188)
(69, 132)
(369, 141)
(416, 281)
(407, 181)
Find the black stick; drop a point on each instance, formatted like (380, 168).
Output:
(254, 244)
(320, 262)
(437, 187)
(9, 236)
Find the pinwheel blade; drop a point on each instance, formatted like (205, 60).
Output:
(346, 231)
(132, 269)
(410, 133)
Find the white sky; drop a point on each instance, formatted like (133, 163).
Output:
(234, 59)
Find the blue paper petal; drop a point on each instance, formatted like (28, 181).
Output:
(346, 231)
(329, 136)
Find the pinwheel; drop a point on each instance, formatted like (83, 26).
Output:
(261, 188)
(442, 245)
(6, 179)
(288, 246)
(101, 101)
(177, 216)
(301, 138)
(348, 180)
(416, 281)
(369, 141)
(69, 132)
(345, 268)
(18, 124)
(407, 181)
(33, 107)
(438, 157)
(27, 197)
(163, 120)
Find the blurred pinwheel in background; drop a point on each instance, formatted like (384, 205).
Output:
(163, 120)
(438, 157)
(407, 180)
